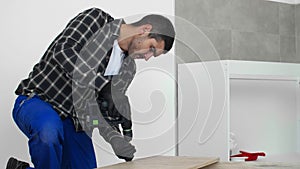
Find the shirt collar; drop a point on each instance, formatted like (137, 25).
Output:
(117, 47)
(116, 25)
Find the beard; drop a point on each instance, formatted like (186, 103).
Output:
(134, 48)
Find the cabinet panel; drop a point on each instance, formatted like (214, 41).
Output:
(202, 111)
(257, 101)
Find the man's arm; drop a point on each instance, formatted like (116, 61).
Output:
(73, 38)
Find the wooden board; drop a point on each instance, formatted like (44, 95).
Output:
(165, 162)
(253, 165)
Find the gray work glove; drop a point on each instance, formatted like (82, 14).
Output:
(121, 146)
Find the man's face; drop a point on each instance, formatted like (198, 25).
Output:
(143, 47)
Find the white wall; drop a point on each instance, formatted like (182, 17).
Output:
(28, 27)
(287, 1)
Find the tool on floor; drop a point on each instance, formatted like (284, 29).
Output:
(250, 156)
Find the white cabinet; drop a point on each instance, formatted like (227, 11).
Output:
(256, 101)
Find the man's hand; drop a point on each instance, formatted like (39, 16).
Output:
(122, 148)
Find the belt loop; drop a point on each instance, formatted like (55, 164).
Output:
(29, 97)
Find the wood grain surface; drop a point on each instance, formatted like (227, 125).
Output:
(165, 162)
(253, 165)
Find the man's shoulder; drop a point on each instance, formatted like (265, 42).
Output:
(95, 10)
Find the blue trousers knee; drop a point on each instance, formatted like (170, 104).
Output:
(53, 143)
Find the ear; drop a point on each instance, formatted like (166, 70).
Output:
(145, 29)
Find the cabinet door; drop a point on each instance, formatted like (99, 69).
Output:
(202, 110)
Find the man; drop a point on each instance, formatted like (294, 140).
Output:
(91, 60)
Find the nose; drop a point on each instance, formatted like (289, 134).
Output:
(148, 55)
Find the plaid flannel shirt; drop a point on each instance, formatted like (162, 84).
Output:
(70, 74)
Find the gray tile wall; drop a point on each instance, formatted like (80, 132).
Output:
(255, 30)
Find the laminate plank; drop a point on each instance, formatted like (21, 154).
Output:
(166, 162)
